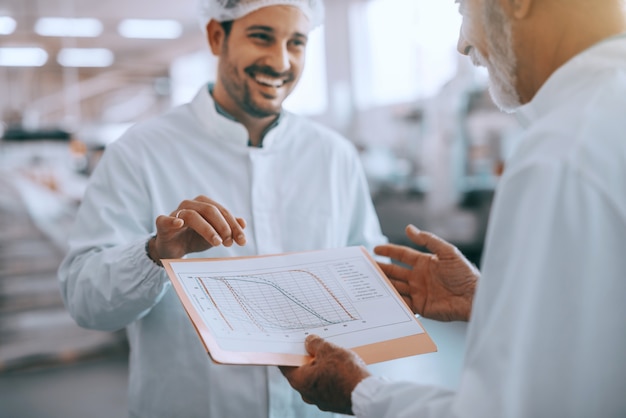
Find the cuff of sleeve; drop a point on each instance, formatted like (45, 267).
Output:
(364, 392)
(141, 258)
(147, 251)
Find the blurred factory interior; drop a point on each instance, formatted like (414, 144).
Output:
(431, 141)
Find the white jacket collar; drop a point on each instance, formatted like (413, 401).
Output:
(227, 130)
(576, 74)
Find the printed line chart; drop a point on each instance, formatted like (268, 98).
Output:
(259, 310)
(278, 301)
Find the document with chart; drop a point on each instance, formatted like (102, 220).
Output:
(259, 310)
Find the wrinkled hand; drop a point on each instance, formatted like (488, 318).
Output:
(440, 285)
(196, 225)
(329, 378)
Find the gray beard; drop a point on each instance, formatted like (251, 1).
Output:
(503, 63)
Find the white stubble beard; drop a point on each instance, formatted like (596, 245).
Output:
(502, 63)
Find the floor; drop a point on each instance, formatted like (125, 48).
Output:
(85, 389)
(96, 388)
(49, 366)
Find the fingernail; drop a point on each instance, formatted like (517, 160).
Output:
(216, 240)
(241, 237)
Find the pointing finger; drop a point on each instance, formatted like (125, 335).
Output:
(432, 242)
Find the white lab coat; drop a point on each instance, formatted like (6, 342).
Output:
(304, 190)
(547, 336)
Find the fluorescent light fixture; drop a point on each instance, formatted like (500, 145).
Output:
(7, 25)
(150, 28)
(23, 57)
(74, 27)
(85, 57)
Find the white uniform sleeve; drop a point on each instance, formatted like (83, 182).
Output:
(375, 397)
(543, 339)
(546, 335)
(106, 279)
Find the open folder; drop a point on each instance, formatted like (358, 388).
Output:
(259, 310)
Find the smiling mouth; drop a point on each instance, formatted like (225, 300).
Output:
(268, 81)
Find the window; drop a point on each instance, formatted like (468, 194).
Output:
(402, 50)
(189, 72)
(310, 95)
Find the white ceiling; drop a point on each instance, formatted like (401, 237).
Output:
(136, 60)
(128, 52)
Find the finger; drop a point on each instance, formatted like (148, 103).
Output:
(432, 242)
(296, 376)
(409, 303)
(401, 286)
(395, 271)
(167, 225)
(236, 230)
(313, 343)
(204, 228)
(240, 238)
(401, 253)
(176, 218)
(287, 371)
(232, 228)
(208, 220)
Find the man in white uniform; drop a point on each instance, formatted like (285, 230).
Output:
(547, 335)
(229, 174)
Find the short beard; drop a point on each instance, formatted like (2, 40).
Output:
(249, 106)
(502, 63)
(240, 92)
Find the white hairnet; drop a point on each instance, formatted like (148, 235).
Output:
(222, 10)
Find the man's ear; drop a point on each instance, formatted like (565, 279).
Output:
(520, 9)
(216, 36)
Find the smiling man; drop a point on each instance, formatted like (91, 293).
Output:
(261, 57)
(546, 335)
(229, 174)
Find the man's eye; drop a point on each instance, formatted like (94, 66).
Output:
(260, 36)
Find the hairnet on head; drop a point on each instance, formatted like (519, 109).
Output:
(223, 10)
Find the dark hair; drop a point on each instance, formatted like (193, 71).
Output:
(227, 26)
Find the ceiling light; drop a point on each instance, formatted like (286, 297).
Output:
(75, 27)
(23, 57)
(85, 57)
(150, 29)
(7, 25)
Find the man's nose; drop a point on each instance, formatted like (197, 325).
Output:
(462, 46)
(279, 58)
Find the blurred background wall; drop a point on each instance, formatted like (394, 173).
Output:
(385, 73)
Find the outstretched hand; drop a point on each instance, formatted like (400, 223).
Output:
(438, 285)
(329, 378)
(196, 225)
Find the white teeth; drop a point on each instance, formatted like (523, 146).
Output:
(268, 81)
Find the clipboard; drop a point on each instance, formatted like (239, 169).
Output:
(258, 310)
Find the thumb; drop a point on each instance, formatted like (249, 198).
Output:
(313, 344)
(167, 224)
